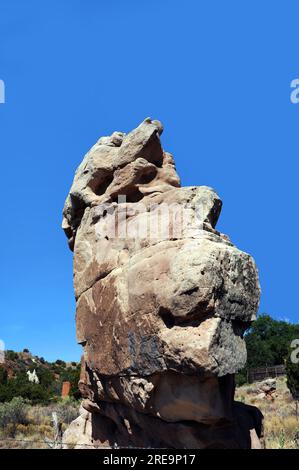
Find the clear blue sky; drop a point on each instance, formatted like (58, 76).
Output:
(217, 74)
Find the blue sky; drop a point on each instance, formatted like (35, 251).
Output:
(217, 74)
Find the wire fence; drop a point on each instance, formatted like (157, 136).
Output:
(260, 373)
(57, 442)
(54, 444)
(47, 442)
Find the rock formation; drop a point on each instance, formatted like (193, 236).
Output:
(266, 389)
(163, 300)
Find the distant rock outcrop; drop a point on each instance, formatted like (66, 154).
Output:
(163, 300)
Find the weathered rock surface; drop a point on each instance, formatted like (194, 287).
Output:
(163, 300)
(266, 389)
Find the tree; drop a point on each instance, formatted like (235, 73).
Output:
(19, 386)
(45, 376)
(59, 362)
(267, 343)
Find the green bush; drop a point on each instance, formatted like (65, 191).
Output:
(13, 413)
(67, 410)
(59, 362)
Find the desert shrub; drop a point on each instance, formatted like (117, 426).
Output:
(281, 439)
(45, 429)
(9, 430)
(41, 415)
(67, 410)
(35, 429)
(13, 413)
(22, 429)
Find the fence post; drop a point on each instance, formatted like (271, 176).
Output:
(57, 442)
(58, 431)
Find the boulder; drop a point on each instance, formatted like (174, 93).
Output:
(163, 301)
(267, 389)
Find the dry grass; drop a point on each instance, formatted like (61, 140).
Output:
(39, 429)
(281, 426)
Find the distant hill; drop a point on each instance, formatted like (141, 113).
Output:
(42, 386)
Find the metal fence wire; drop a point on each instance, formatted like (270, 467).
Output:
(260, 373)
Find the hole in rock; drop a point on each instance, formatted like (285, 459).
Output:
(144, 179)
(190, 291)
(167, 317)
(102, 187)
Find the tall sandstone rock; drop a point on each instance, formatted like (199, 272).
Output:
(163, 301)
